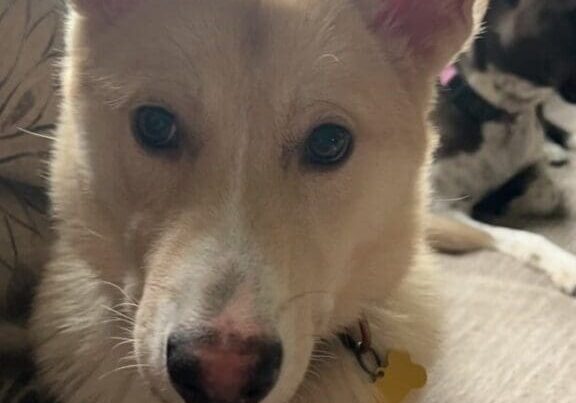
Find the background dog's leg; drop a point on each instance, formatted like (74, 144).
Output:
(533, 192)
(449, 235)
(557, 155)
(542, 197)
(553, 132)
(532, 249)
(558, 122)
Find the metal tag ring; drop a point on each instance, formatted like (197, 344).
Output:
(371, 362)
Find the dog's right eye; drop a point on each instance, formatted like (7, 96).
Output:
(328, 145)
(155, 127)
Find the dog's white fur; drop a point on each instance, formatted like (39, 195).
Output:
(140, 236)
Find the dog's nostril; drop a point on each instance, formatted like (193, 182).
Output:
(246, 370)
(183, 369)
(265, 373)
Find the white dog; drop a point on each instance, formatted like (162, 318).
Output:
(235, 183)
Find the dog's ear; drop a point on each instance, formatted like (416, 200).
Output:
(103, 9)
(428, 33)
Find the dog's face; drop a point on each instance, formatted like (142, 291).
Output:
(257, 165)
(533, 39)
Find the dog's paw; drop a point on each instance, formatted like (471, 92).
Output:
(565, 280)
(558, 263)
(544, 198)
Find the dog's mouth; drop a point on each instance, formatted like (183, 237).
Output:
(568, 89)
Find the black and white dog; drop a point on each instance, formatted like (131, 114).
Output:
(498, 151)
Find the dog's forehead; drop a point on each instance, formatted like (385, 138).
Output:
(226, 42)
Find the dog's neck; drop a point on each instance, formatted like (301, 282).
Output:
(504, 90)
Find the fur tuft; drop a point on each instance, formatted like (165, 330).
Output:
(451, 236)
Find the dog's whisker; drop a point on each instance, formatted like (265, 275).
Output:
(35, 134)
(448, 200)
(121, 338)
(128, 329)
(126, 304)
(121, 344)
(123, 368)
(121, 291)
(85, 232)
(117, 319)
(119, 314)
(130, 343)
(113, 309)
(131, 357)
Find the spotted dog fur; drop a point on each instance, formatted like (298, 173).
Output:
(501, 156)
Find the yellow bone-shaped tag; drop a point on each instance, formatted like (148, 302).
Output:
(402, 377)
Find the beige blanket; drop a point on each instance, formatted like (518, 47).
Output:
(511, 336)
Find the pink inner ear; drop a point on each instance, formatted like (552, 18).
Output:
(415, 19)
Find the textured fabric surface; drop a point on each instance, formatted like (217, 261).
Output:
(29, 46)
(510, 335)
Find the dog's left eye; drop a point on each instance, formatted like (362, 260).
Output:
(155, 127)
(328, 144)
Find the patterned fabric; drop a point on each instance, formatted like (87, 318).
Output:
(29, 45)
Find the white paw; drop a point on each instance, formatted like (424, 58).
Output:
(562, 272)
(538, 252)
(566, 281)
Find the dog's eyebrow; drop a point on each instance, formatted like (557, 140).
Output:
(182, 51)
(142, 88)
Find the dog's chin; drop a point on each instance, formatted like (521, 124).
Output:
(568, 90)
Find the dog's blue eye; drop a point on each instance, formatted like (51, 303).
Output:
(328, 144)
(155, 127)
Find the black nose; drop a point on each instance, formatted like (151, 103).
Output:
(223, 370)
